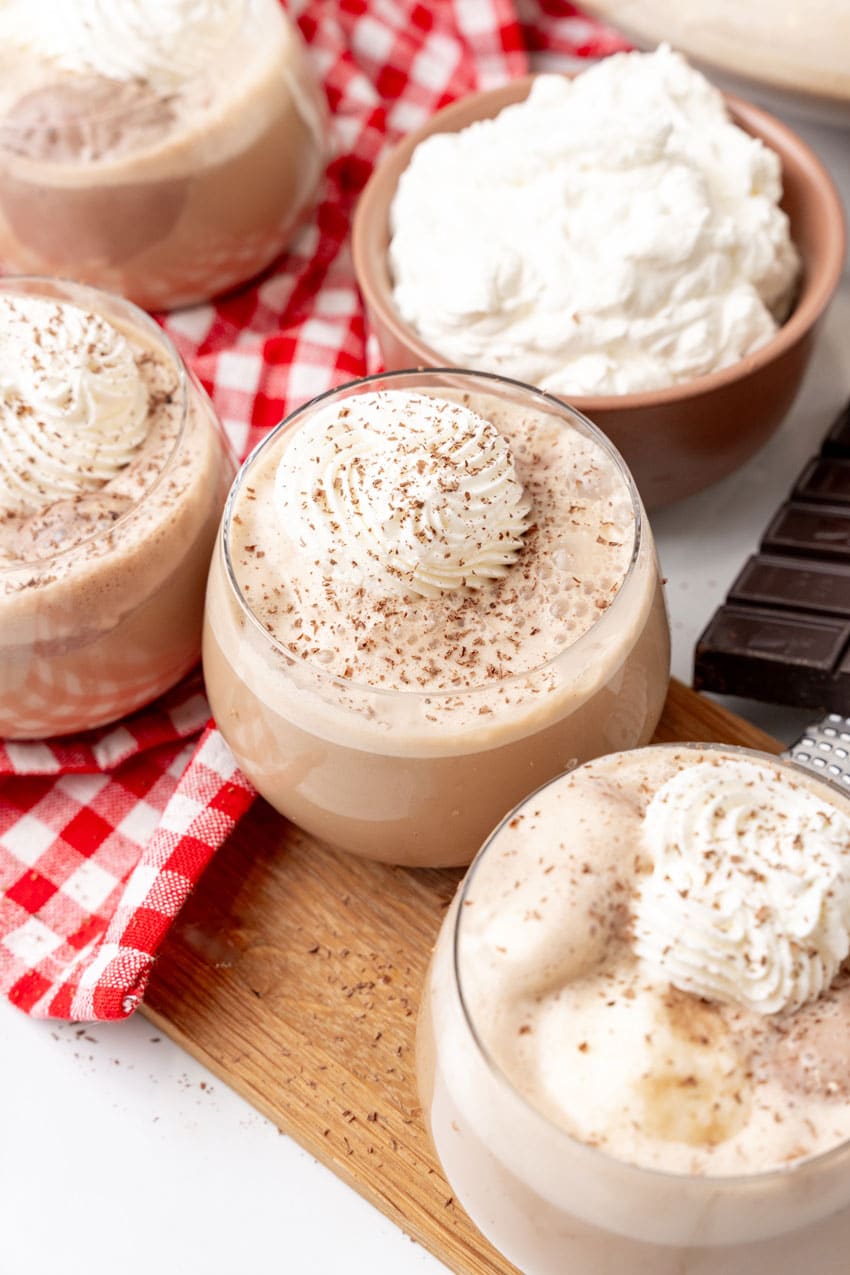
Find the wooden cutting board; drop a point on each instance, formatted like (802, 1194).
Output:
(293, 973)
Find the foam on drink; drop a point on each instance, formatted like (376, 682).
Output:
(435, 597)
(642, 941)
(604, 1090)
(112, 478)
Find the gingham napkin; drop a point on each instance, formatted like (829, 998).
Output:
(103, 837)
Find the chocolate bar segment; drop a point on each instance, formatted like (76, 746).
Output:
(837, 441)
(824, 479)
(813, 531)
(783, 634)
(794, 584)
(784, 657)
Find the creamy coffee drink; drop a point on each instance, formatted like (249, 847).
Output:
(113, 474)
(433, 591)
(633, 1043)
(164, 151)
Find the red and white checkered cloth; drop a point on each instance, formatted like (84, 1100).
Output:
(103, 837)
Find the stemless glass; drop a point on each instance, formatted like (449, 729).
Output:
(167, 196)
(94, 630)
(552, 1203)
(420, 777)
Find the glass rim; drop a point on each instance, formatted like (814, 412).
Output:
(714, 1182)
(553, 405)
(45, 287)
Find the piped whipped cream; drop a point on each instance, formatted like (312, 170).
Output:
(613, 233)
(166, 43)
(403, 493)
(748, 902)
(73, 406)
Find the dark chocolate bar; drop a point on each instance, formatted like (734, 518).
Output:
(810, 530)
(824, 479)
(783, 633)
(837, 441)
(785, 657)
(794, 584)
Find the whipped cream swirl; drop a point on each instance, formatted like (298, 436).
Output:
(165, 43)
(73, 407)
(748, 902)
(403, 493)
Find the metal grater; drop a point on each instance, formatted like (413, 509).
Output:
(824, 748)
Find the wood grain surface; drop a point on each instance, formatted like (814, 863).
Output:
(294, 972)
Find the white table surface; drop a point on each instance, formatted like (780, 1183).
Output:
(119, 1152)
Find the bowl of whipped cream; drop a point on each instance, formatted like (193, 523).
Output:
(630, 239)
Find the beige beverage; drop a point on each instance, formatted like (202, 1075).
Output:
(432, 592)
(113, 474)
(633, 1038)
(166, 151)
